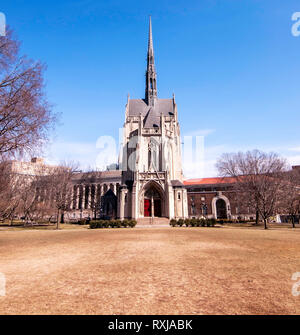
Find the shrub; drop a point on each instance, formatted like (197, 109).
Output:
(132, 223)
(203, 222)
(198, 222)
(173, 223)
(187, 222)
(118, 224)
(93, 225)
(96, 224)
(213, 222)
(104, 224)
(82, 222)
(125, 223)
(114, 223)
(194, 222)
(180, 222)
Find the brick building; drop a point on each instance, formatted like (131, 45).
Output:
(214, 198)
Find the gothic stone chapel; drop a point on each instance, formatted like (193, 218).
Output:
(152, 177)
(149, 181)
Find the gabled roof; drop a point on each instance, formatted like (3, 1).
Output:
(151, 114)
(177, 183)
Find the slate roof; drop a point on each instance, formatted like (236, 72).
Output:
(177, 183)
(99, 176)
(151, 114)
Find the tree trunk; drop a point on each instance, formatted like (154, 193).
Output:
(58, 219)
(265, 223)
(257, 218)
(293, 221)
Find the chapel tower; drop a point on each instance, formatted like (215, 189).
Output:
(152, 179)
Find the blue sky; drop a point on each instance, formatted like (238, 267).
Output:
(233, 64)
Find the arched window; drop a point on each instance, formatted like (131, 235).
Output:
(153, 155)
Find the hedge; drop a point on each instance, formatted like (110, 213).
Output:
(222, 221)
(204, 222)
(98, 224)
(193, 222)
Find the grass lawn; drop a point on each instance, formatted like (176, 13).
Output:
(150, 271)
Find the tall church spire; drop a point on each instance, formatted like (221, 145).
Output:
(151, 90)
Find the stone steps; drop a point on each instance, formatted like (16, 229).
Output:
(142, 222)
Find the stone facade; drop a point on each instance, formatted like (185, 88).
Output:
(35, 167)
(95, 194)
(152, 178)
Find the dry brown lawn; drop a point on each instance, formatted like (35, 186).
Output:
(150, 271)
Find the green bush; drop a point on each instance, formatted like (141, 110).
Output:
(198, 222)
(118, 224)
(81, 222)
(193, 222)
(103, 224)
(173, 223)
(125, 223)
(115, 223)
(180, 222)
(132, 223)
(187, 222)
(213, 222)
(203, 222)
(98, 224)
(93, 225)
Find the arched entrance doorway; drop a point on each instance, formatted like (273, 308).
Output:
(152, 203)
(221, 209)
(109, 204)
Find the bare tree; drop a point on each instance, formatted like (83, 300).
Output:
(25, 115)
(10, 186)
(289, 202)
(259, 178)
(25, 119)
(28, 207)
(59, 189)
(18, 190)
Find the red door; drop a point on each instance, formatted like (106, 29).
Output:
(147, 208)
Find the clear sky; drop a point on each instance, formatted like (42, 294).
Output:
(234, 66)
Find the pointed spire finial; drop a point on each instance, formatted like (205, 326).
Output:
(151, 90)
(150, 42)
